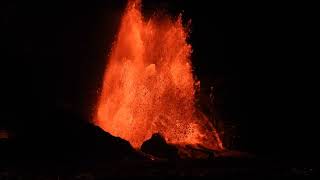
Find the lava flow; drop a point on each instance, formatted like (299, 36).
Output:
(148, 84)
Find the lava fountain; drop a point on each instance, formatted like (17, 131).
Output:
(148, 84)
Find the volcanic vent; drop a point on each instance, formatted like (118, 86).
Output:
(148, 84)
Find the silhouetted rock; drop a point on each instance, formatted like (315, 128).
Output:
(195, 152)
(158, 147)
(65, 139)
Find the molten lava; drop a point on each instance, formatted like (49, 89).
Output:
(148, 85)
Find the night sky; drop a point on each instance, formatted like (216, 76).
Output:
(54, 54)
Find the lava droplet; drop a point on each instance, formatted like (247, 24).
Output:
(148, 84)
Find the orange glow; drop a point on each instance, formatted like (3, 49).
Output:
(148, 85)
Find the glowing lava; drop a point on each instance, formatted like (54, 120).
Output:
(148, 85)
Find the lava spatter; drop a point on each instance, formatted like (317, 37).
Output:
(148, 84)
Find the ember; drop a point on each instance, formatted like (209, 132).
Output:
(148, 85)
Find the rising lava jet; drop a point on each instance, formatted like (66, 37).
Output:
(148, 84)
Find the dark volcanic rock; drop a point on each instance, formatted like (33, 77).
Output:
(157, 146)
(195, 152)
(65, 139)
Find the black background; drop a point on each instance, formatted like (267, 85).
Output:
(255, 54)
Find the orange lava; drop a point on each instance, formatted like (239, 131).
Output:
(148, 84)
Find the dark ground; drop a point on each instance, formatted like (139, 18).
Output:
(87, 152)
(258, 56)
(213, 169)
